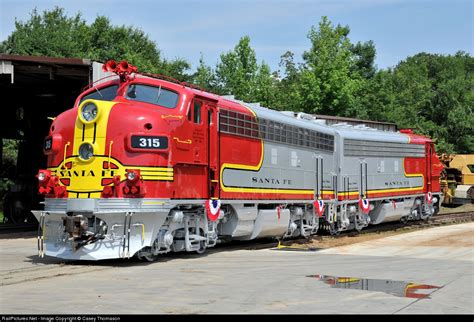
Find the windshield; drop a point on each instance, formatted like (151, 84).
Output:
(153, 95)
(103, 94)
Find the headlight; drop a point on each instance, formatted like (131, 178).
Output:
(86, 151)
(89, 112)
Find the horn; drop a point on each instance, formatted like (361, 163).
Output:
(109, 66)
(123, 67)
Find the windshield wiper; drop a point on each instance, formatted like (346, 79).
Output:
(98, 91)
(159, 93)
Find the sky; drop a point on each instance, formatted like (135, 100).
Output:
(189, 29)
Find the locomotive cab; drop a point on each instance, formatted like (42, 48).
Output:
(135, 144)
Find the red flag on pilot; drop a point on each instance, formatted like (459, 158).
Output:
(364, 205)
(319, 207)
(213, 208)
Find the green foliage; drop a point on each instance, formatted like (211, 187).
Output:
(54, 34)
(326, 83)
(8, 165)
(239, 74)
(433, 94)
(205, 76)
(364, 59)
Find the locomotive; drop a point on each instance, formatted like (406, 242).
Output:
(142, 166)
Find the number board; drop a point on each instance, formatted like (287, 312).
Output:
(48, 143)
(149, 142)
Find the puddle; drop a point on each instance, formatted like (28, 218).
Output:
(397, 288)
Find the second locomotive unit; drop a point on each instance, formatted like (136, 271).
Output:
(143, 166)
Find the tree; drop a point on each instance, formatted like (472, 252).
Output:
(8, 160)
(364, 59)
(237, 71)
(205, 76)
(239, 74)
(54, 34)
(327, 84)
(433, 94)
(287, 92)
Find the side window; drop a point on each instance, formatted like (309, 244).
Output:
(209, 117)
(190, 112)
(197, 112)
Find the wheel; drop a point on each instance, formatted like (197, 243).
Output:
(404, 220)
(146, 256)
(333, 230)
(202, 247)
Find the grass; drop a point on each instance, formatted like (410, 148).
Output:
(1, 216)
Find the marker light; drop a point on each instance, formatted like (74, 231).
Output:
(134, 188)
(133, 176)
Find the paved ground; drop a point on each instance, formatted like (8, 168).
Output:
(247, 281)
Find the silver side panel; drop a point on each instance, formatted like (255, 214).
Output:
(242, 226)
(391, 211)
(382, 174)
(283, 167)
(271, 224)
(366, 148)
(111, 205)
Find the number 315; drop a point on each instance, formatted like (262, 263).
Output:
(155, 143)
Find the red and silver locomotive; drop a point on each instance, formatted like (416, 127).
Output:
(143, 166)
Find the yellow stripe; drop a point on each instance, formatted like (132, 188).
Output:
(347, 279)
(257, 190)
(156, 173)
(100, 131)
(158, 179)
(352, 193)
(95, 164)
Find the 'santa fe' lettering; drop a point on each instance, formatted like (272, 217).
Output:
(75, 173)
(85, 173)
(271, 181)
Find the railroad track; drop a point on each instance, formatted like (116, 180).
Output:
(438, 220)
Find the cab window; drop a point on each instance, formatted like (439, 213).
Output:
(103, 94)
(197, 112)
(153, 95)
